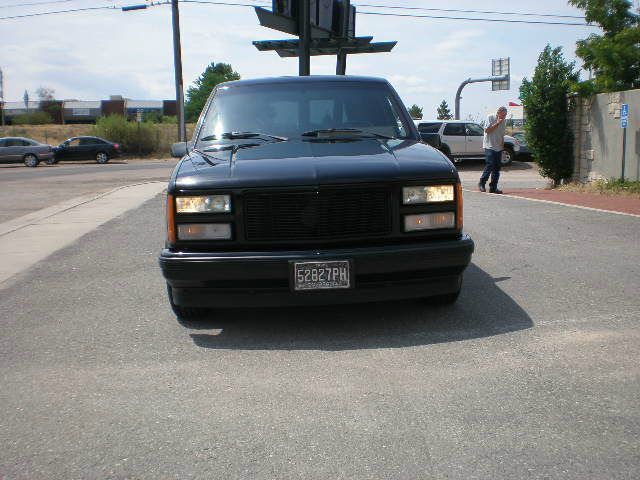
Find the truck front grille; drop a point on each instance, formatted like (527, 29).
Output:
(324, 213)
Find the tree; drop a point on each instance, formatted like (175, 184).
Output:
(615, 56)
(198, 93)
(443, 111)
(545, 102)
(46, 94)
(48, 103)
(416, 112)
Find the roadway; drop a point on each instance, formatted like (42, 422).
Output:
(533, 373)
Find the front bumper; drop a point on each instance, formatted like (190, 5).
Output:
(253, 279)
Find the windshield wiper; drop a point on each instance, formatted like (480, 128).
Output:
(234, 147)
(242, 135)
(336, 132)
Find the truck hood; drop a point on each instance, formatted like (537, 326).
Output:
(312, 162)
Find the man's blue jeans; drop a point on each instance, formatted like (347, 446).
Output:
(492, 168)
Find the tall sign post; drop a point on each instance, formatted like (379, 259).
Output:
(500, 80)
(323, 27)
(624, 119)
(304, 22)
(341, 62)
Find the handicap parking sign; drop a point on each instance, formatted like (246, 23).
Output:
(624, 110)
(623, 122)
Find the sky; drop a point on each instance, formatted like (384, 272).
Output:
(92, 55)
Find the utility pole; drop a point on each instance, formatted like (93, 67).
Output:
(177, 63)
(1, 98)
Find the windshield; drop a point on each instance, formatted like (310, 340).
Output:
(292, 109)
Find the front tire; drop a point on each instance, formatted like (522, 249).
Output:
(30, 160)
(51, 161)
(445, 149)
(102, 157)
(185, 313)
(507, 156)
(442, 300)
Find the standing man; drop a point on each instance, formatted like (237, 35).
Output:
(493, 144)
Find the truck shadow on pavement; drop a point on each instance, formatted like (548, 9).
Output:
(483, 310)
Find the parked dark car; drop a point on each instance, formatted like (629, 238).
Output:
(524, 154)
(20, 149)
(310, 190)
(87, 148)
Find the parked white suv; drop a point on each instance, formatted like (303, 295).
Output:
(462, 140)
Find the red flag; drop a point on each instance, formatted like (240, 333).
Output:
(514, 104)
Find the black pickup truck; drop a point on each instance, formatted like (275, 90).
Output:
(310, 190)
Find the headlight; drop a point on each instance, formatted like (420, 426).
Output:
(204, 231)
(429, 221)
(427, 194)
(204, 204)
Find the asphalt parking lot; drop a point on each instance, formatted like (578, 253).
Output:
(533, 373)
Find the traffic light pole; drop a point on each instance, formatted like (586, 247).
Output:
(473, 80)
(304, 68)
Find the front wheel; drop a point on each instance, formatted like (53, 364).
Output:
(30, 160)
(185, 313)
(51, 161)
(446, 299)
(102, 157)
(507, 156)
(445, 149)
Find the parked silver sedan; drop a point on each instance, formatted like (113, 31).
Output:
(19, 149)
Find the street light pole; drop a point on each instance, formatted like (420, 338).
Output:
(177, 63)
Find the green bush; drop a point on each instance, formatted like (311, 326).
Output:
(32, 118)
(158, 117)
(547, 129)
(133, 137)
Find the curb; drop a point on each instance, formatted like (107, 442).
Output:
(582, 207)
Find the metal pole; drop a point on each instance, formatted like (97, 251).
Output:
(624, 148)
(456, 115)
(341, 63)
(177, 63)
(473, 80)
(304, 68)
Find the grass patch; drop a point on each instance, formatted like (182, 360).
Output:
(605, 187)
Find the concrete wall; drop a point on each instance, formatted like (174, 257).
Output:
(598, 136)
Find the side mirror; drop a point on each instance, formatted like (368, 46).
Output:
(179, 150)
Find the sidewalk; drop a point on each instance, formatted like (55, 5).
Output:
(610, 203)
(26, 240)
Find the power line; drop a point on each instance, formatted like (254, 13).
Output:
(424, 9)
(400, 15)
(111, 7)
(35, 4)
(501, 20)
(538, 22)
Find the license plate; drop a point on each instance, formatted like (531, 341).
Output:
(321, 275)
